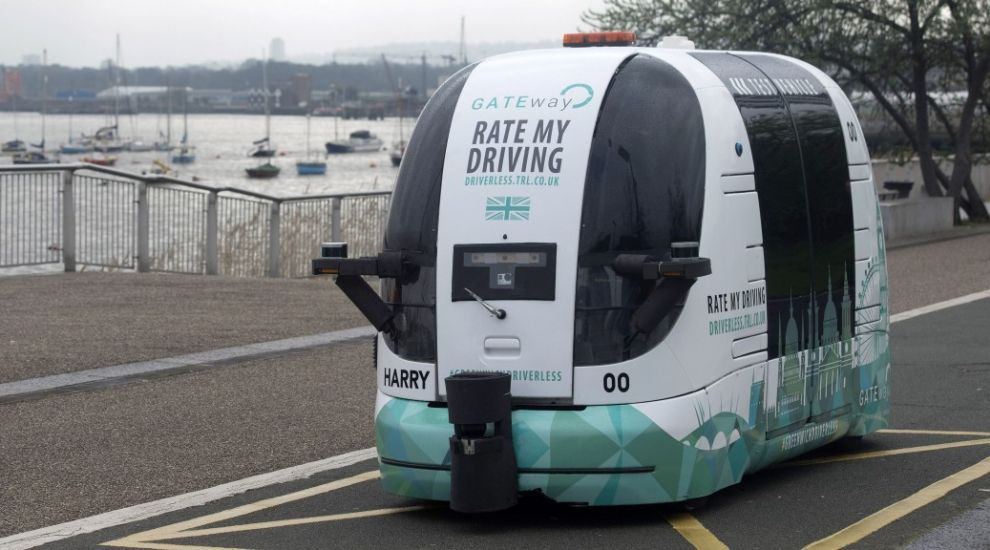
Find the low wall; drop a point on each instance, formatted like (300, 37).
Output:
(885, 170)
(916, 217)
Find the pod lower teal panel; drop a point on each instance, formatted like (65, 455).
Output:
(619, 454)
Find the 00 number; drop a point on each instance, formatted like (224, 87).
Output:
(612, 382)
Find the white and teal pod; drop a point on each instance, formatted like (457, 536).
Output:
(528, 174)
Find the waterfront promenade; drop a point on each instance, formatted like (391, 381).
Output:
(239, 409)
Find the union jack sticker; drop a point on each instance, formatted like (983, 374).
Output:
(507, 208)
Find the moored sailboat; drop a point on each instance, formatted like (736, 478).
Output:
(74, 148)
(15, 145)
(264, 171)
(101, 160)
(186, 154)
(105, 140)
(39, 157)
(34, 157)
(310, 166)
(71, 147)
(263, 147)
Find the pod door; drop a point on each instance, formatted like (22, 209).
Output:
(510, 211)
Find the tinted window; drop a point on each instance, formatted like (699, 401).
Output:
(826, 176)
(644, 189)
(412, 225)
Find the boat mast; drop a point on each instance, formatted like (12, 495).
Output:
(44, 95)
(264, 85)
(168, 115)
(185, 119)
(402, 137)
(13, 112)
(116, 92)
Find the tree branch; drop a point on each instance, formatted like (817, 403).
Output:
(862, 12)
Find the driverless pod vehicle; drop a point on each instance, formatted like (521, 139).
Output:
(623, 275)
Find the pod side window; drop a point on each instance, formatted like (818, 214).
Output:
(802, 179)
(412, 225)
(826, 175)
(644, 189)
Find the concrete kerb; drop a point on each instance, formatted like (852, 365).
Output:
(960, 232)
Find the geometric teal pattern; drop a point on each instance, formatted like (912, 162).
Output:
(610, 436)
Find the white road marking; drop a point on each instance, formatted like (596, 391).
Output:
(128, 370)
(45, 535)
(911, 314)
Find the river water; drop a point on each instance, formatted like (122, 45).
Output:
(222, 142)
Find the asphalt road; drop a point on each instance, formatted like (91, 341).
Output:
(68, 456)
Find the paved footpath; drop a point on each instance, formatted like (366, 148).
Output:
(68, 455)
(70, 322)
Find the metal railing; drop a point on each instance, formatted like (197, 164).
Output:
(81, 214)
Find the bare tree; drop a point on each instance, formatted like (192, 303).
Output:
(925, 62)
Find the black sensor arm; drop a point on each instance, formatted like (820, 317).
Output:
(674, 278)
(350, 280)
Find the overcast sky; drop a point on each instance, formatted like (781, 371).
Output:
(179, 32)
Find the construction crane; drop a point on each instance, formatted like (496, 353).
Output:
(388, 76)
(393, 84)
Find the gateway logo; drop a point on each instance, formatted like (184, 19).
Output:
(573, 96)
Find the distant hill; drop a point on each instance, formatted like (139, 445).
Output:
(350, 75)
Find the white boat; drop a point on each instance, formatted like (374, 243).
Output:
(361, 141)
(139, 146)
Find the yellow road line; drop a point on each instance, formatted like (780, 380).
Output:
(879, 454)
(163, 532)
(935, 432)
(685, 524)
(290, 522)
(901, 508)
(694, 532)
